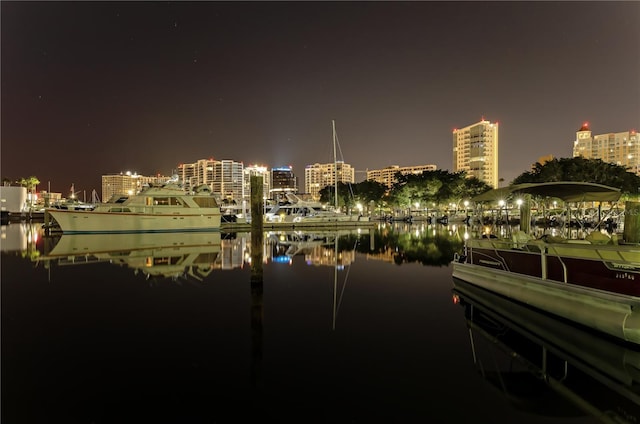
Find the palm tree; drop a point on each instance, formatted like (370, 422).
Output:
(31, 184)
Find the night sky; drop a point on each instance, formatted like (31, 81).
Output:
(92, 88)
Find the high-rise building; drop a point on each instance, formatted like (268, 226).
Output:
(475, 151)
(194, 174)
(387, 176)
(127, 183)
(260, 171)
(228, 180)
(318, 176)
(224, 177)
(283, 181)
(621, 148)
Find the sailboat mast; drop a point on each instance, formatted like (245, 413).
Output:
(335, 166)
(335, 280)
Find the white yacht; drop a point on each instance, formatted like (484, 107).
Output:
(157, 208)
(299, 211)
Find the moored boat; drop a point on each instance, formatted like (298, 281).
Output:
(73, 204)
(157, 208)
(593, 281)
(300, 212)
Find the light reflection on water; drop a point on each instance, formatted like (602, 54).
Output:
(354, 326)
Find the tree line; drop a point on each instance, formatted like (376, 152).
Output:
(440, 188)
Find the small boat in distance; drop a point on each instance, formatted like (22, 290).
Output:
(592, 281)
(298, 211)
(157, 208)
(73, 204)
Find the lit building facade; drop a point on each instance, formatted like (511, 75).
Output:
(475, 151)
(621, 148)
(260, 171)
(194, 174)
(127, 183)
(224, 177)
(387, 176)
(228, 180)
(318, 176)
(283, 181)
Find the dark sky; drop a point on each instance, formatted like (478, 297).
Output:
(91, 88)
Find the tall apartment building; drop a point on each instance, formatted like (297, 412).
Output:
(228, 180)
(225, 177)
(260, 171)
(387, 176)
(621, 148)
(283, 181)
(194, 174)
(127, 183)
(475, 151)
(318, 176)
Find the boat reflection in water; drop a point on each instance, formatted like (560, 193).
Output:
(196, 254)
(319, 248)
(173, 255)
(548, 366)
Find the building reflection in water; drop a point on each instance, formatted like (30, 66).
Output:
(194, 256)
(547, 366)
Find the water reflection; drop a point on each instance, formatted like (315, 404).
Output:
(195, 255)
(546, 366)
(97, 345)
(22, 238)
(427, 244)
(180, 255)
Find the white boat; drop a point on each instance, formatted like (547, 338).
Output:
(298, 211)
(73, 204)
(593, 281)
(162, 208)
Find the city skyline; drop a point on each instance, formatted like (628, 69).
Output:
(94, 88)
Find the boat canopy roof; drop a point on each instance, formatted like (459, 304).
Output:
(568, 191)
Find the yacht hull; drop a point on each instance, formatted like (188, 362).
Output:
(94, 222)
(596, 286)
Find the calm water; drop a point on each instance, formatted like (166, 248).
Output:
(369, 331)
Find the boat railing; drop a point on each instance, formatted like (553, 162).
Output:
(619, 256)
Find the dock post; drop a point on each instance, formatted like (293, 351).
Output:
(525, 214)
(256, 203)
(257, 234)
(631, 232)
(47, 222)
